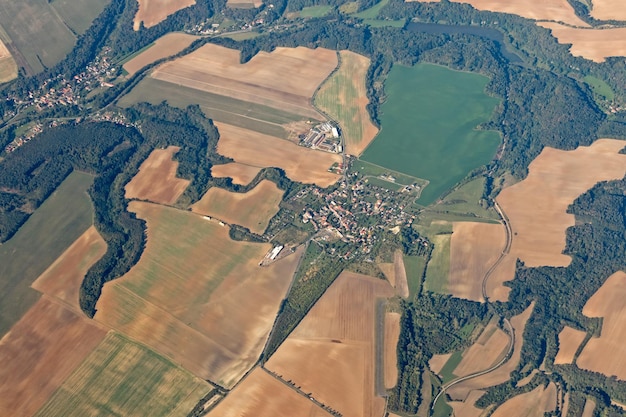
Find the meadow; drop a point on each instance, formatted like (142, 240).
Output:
(600, 87)
(78, 14)
(429, 126)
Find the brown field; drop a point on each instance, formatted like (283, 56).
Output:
(389, 271)
(152, 12)
(607, 353)
(165, 46)
(461, 391)
(531, 404)
(253, 209)
(62, 280)
(608, 10)
(474, 248)
(489, 348)
(8, 67)
(593, 44)
(40, 352)
(263, 395)
(437, 362)
(156, 180)
(400, 282)
(565, 404)
(218, 70)
(392, 335)
(467, 408)
(590, 406)
(331, 353)
(206, 290)
(240, 174)
(569, 341)
(255, 149)
(246, 4)
(536, 207)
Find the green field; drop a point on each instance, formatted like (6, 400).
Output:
(123, 378)
(371, 170)
(414, 266)
(464, 203)
(447, 372)
(429, 126)
(78, 14)
(439, 264)
(372, 12)
(600, 87)
(315, 11)
(51, 229)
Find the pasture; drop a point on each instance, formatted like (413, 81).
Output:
(205, 289)
(156, 180)
(49, 231)
(253, 209)
(464, 202)
(608, 10)
(392, 335)
(343, 96)
(165, 46)
(123, 378)
(593, 44)
(255, 149)
(600, 87)
(315, 11)
(535, 403)
(78, 14)
(438, 268)
(331, 353)
(489, 349)
(569, 341)
(152, 12)
(607, 354)
(414, 267)
(8, 67)
(429, 126)
(239, 173)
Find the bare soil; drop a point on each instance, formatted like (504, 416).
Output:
(569, 341)
(152, 12)
(392, 335)
(165, 46)
(240, 174)
(593, 44)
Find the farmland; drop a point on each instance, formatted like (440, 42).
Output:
(244, 4)
(438, 268)
(8, 67)
(489, 348)
(569, 341)
(608, 10)
(156, 180)
(344, 97)
(255, 149)
(206, 289)
(392, 334)
(78, 14)
(50, 230)
(531, 404)
(165, 46)
(463, 203)
(593, 44)
(253, 209)
(123, 378)
(331, 353)
(433, 134)
(152, 12)
(240, 174)
(607, 354)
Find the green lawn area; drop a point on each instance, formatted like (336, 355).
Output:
(439, 264)
(600, 87)
(315, 11)
(49, 231)
(414, 266)
(429, 126)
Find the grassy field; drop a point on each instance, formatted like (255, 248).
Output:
(371, 170)
(50, 230)
(372, 12)
(123, 378)
(439, 265)
(600, 87)
(447, 372)
(315, 11)
(593, 44)
(429, 126)
(465, 202)
(415, 266)
(78, 14)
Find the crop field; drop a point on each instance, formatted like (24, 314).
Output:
(244, 4)
(607, 354)
(438, 268)
(62, 280)
(206, 289)
(429, 123)
(240, 174)
(467, 408)
(78, 14)
(593, 44)
(165, 46)
(253, 209)
(490, 347)
(344, 97)
(123, 378)
(156, 180)
(392, 335)
(262, 395)
(331, 353)
(400, 279)
(152, 12)
(8, 67)
(437, 362)
(536, 207)
(608, 10)
(531, 404)
(414, 267)
(40, 352)
(569, 341)
(465, 202)
(259, 150)
(218, 70)
(590, 406)
(49, 231)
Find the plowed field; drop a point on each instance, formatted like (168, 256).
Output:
(593, 44)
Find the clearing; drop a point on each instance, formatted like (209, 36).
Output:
(392, 335)
(489, 349)
(152, 12)
(607, 354)
(593, 44)
(203, 288)
(344, 97)
(8, 67)
(608, 10)
(332, 352)
(123, 378)
(240, 174)
(244, 4)
(253, 209)
(156, 180)
(165, 46)
(569, 341)
(531, 404)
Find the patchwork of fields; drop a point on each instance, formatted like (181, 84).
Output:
(8, 67)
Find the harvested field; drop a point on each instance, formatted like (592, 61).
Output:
(590, 406)
(536, 207)
(607, 353)
(467, 408)
(40, 352)
(216, 69)
(400, 282)
(165, 46)
(152, 12)
(608, 10)
(240, 174)
(531, 404)
(474, 249)
(123, 378)
(331, 353)
(389, 271)
(489, 349)
(253, 209)
(392, 335)
(205, 289)
(593, 44)
(244, 4)
(255, 149)
(62, 280)
(8, 67)
(263, 395)
(437, 362)
(344, 97)
(156, 180)
(569, 341)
